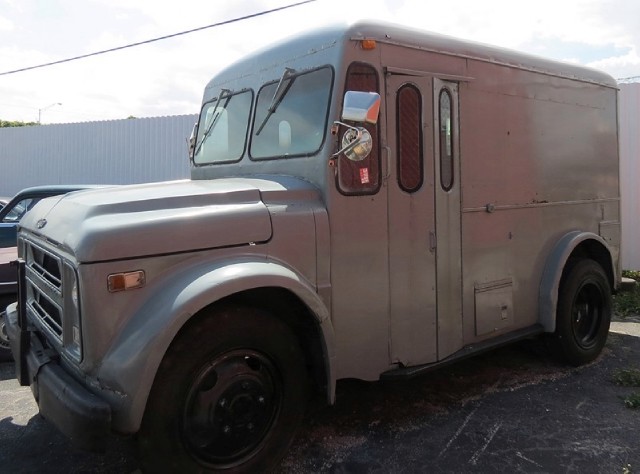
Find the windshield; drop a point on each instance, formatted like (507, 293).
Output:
(222, 129)
(18, 210)
(295, 124)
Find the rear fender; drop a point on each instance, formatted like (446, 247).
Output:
(555, 264)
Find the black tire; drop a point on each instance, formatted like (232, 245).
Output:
(584, 313)
(228, 396)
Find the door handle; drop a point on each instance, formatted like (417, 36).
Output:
(432, 241)
(386, 162)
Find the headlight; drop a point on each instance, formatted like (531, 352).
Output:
(74, 294)
(72, 340)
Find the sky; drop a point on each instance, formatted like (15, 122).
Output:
(168, 77)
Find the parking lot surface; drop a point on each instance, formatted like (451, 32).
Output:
(512, 410)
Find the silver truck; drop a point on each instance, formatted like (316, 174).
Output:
(366, 201)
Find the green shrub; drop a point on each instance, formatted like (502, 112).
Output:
(635, 274)
(633, 400)
(627, 377)
(628, 302)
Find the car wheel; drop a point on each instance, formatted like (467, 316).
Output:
(228, 396)
(583, 314)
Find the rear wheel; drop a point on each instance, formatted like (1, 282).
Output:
(584, 313)
(228, 396)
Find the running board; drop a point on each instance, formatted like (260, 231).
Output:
(464, 353)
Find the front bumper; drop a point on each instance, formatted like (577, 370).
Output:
(78, 413)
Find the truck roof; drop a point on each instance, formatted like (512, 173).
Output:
(389, 33)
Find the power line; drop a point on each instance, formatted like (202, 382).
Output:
(628, 80)
(160, 38)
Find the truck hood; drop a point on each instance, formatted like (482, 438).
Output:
(152, 219)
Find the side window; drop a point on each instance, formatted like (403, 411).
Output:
(446, 140)
(362, 177)
(409, 133)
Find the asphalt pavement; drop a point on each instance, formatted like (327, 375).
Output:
(511, 410)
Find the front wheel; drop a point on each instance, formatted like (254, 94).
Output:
(583, 314)
(228, 396)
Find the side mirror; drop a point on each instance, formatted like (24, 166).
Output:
(356, 142)
(361, 107)
(192, 140)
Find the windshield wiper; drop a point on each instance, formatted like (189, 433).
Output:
(214, 121)
(279, 94)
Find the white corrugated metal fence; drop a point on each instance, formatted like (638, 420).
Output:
(630, 174)
(111, 152)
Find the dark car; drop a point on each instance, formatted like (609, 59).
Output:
(10, 215)
(12, 212)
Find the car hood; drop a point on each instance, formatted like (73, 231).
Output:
(152, 219)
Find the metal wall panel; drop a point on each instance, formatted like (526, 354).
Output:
(630, 174)
(111, 152)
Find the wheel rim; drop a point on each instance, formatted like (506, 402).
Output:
(4, 339)
(230, 407)
(586, 315)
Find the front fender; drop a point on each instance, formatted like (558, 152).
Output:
(132, 362)
(554, 266)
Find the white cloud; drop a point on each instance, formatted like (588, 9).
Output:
(168, 77)
(6, 25)
(624, 66)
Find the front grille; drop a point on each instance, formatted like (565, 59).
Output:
(48, 312)
(44, 288)
(49, 269)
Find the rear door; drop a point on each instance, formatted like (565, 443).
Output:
(447, 200)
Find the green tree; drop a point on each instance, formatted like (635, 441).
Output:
(15, 123)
